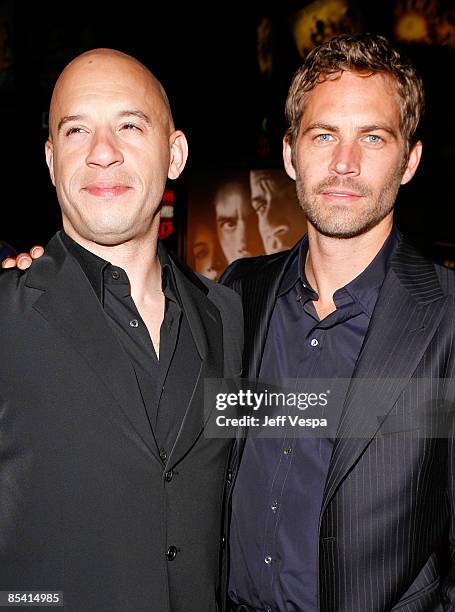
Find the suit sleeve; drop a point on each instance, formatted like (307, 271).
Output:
(448, 586)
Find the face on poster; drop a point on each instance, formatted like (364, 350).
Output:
(240, 214)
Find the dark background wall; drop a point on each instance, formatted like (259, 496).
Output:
(232, 114)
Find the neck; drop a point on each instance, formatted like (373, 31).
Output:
(332, 263)
(138, 257)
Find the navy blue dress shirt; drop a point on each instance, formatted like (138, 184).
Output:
(276, 503)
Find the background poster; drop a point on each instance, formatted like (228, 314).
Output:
(238, 213)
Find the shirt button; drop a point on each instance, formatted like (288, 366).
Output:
(268, 560)
(267, 609)
(163, 455)
(115, 275)
(314, 342)
(171, 553)
(134, 323)
(287, 451)
(168, 476)
(274, 505)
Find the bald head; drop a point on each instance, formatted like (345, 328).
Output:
(103, 70)
(111, 148)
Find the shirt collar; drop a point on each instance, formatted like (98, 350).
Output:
(99, 271)
(295, 274)
(364, 288)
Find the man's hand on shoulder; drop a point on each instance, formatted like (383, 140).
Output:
(23, 260)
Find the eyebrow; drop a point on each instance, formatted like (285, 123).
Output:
(68, 119)
(199, 244)
(121, 114)
(135, 113)
(363, 129)
(226, 217)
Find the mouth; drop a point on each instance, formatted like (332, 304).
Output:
(106, 190)
(341, 193)
(333, 193)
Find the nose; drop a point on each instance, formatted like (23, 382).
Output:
(215, 267)
(241, 237)
(104, 150)
(345, 160)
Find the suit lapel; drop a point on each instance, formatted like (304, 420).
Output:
(409, 309)
(206, 328)
(259, 296)
(69, 304)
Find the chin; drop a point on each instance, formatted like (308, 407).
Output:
(346, 231)
(348, 225)
(107, 236)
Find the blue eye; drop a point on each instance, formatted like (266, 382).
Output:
(324, 137)
(374, 139)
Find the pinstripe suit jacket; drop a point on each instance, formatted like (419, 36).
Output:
(387, 524)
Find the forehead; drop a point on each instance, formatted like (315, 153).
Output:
(105, 84)
(232, 202)
(355, 97)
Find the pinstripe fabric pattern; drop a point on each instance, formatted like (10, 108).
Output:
(387, 526)
(263, 275)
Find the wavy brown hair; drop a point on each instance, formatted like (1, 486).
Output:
(366, 54)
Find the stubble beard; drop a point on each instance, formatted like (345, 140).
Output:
(342, 221)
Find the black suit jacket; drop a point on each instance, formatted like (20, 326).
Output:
(387, 525)
(86, 504)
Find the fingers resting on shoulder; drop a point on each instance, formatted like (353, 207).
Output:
(23, 260)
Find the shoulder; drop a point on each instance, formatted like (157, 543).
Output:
(446, 278)
(215, 292)
(221, 296)
(11, 280)
(218, 292)
(225, 299)
(248, 268)
(16, 299)
(42, 272)
(229, 306)
(420, 273)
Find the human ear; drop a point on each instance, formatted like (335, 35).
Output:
(412, 163)
(287, 158)
(179, 154)
(49, 152)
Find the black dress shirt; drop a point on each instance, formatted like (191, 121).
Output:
(154, 375)
(278, 494)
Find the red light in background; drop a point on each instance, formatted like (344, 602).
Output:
(167, 214)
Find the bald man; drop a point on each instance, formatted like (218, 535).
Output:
(110, 493)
